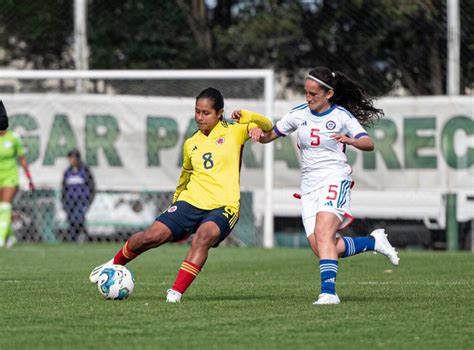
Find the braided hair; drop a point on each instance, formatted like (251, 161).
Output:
(348, 94)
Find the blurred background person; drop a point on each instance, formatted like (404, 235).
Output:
(11, 152)
(78, 191)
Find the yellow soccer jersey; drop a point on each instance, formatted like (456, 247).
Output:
(210, 177)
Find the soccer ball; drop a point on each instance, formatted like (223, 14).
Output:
(116, 282)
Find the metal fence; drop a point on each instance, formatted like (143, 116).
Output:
(392, 47)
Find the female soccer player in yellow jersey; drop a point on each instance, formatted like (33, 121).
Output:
(207, 198)
(11, 150)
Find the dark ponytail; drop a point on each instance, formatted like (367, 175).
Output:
(350, 95)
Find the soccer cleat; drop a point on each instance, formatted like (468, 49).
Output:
(11, 241)
(327, 299)
(94, 276)
(383, 246)
(173, 296)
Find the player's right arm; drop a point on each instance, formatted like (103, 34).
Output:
(185, 176)
(260, 127)
(283, 127)
(261, 136)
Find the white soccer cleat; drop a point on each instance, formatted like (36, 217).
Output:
(173, 296)
(327, 299)
(10, 241)
(94, 276)
(383, 246)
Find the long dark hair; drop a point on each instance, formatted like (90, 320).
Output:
(349, 94)
(213, 95)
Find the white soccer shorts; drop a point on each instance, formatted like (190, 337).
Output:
(333, 197)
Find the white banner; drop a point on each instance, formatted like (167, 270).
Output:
(135, 143)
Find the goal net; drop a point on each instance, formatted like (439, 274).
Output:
(129, 127)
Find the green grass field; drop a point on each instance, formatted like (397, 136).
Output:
(243, 299)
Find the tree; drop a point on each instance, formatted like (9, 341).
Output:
(37, 35)
(142, 34)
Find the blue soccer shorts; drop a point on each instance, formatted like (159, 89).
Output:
(183, 219)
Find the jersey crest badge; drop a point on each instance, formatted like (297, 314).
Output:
(330, 125)
(172, 209)
(194, 148)
(220, 141)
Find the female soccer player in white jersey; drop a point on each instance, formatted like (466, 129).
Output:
(207, 199)
(330, 120)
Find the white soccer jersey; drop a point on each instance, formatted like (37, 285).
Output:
(323, 158)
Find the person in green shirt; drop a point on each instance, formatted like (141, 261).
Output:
(11, 151)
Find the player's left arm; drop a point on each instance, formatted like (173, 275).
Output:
(354, 134)
(364, 143)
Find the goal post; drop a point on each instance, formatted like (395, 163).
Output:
(65, 82)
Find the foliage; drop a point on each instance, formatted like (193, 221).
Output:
(36, 35)
(272, 37)
(145, 34)
(389, 46)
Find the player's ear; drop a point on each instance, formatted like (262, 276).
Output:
(329, 94)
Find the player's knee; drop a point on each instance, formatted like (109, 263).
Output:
(322, 236)
(152, 236)
(205, 238)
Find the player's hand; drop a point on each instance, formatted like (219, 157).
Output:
(343, 139)
(31, 186)
(236, 115)
(255, 134)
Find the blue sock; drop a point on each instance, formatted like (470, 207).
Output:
(356, 245)
(328, 270)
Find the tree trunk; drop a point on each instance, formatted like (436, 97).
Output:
(197, 19)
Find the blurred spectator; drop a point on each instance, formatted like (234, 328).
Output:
(78, 191)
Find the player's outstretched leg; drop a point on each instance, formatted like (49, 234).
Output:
(123, 256)
(357, 245)
(154, 236)
(383, 246)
